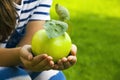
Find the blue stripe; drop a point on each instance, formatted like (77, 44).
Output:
(17, 17)
(24, 19)
(28, 10)
(11, 72)
(33, 75)
(58, 76)
(43, 13)
(29, 1)
(34, 19)
(17, 9)
(21, 27)
(25, 11)
(41, 5)
(44, 5)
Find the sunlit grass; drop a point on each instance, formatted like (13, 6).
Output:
(103, 7)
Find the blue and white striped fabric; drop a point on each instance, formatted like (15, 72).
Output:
(48, 75)
(28, 10)
(13, 73)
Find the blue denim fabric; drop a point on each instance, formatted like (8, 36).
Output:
(15, 38)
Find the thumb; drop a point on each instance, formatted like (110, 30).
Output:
(74, 49)
(25, 52)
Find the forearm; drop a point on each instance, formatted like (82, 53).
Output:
(9, 57)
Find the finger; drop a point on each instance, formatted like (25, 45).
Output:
(45, 67)
(55, 67)
(51, 63)
(37, 64)
(74, 49)
(25, 52)
(45, 62)
(38, 59)
(72, 59)
(25, 62)
(66, 63)
(49, 66)
(33, 64)
(60, 65)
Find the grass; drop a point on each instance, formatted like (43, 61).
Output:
(95, 26)
(98, 49)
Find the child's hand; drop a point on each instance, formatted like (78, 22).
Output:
(37, 63)
(65, 63)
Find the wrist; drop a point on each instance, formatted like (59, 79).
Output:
(19, 54)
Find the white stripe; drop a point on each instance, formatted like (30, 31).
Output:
(1, 68)
(43, 9)
(2, 45)
(46, 2)
(42, 17)
(46, 75)
(30, 5)
(20, 78)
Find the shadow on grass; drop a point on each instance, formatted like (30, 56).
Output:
(117, 75)
(98, 41)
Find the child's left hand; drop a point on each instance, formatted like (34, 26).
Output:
(67, 62)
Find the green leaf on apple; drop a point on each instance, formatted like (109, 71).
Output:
(55, 28)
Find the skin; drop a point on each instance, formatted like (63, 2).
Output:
(42, 62)
(9, 57)
(22, 53)
(30, 62)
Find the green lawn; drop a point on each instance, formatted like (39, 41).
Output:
(95, 29)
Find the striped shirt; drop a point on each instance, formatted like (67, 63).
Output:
(28, 10)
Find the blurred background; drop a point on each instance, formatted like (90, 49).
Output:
(95, 28)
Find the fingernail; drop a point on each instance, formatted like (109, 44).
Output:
(64, 59)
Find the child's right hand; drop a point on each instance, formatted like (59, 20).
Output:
(36, 63)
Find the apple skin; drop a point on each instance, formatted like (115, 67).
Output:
(57, 47)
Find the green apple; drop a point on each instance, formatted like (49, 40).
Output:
(57, 47)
